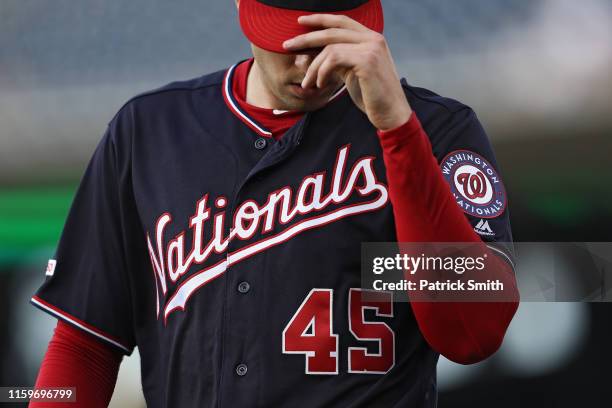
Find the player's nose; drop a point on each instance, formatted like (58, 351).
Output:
(303, 61)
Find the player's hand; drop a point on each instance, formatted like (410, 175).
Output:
(361, 58)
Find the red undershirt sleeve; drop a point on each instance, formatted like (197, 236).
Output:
(425, 211)
(77, 359)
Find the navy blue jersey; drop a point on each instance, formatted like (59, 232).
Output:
(232, 261)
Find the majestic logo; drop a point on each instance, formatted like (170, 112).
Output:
(50, 267)
(475, 184)
(171, 261)
(483, 228)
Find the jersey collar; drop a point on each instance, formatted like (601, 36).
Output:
(233, 105)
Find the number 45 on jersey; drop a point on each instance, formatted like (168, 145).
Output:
(310, 332)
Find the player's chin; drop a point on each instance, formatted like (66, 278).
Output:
(307, 99)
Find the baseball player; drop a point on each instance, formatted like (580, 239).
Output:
(218, 228)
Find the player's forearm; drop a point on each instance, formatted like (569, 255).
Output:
(468, 332)
(76, 359)
(425, 211)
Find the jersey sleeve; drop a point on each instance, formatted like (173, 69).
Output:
(87, 283)
(468, 164)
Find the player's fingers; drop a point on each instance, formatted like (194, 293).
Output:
(327, 63)
(344, 57)
(331, 21)
(328, 67)
(322, 38)
(311, 74)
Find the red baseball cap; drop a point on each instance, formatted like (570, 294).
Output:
(269, 23)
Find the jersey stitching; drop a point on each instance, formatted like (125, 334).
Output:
(446, 106)
(126, 283)
(171, 88)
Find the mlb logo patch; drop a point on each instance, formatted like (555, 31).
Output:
(50, 267)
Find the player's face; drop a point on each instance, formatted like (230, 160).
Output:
(282, 75)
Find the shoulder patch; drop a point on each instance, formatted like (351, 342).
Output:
(476, 185)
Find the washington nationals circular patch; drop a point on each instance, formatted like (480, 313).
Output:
(477, 187)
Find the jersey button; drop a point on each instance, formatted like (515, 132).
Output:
(261, 143)
(241, 369)
(244, 287)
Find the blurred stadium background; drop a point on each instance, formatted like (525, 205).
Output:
(537, 72)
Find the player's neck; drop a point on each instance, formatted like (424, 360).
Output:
(257, 94)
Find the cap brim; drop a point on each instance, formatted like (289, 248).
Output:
(269, 27)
